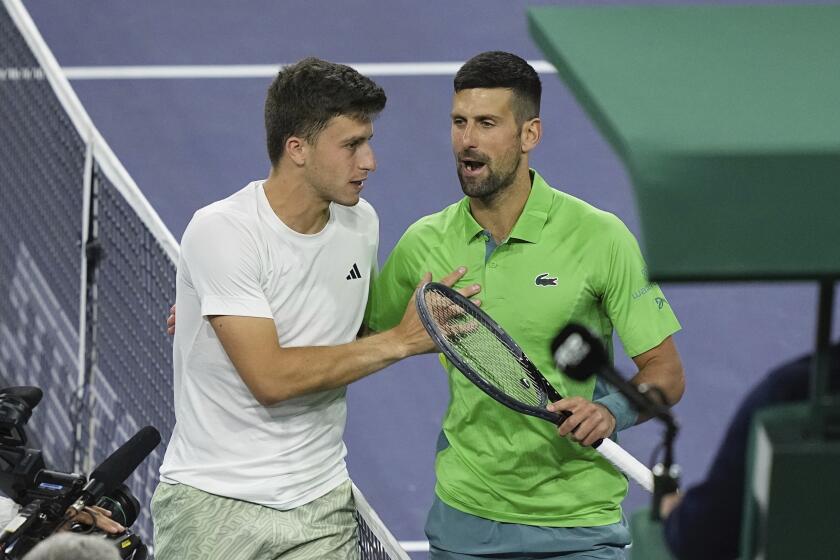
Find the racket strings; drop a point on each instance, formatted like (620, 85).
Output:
(482, 350)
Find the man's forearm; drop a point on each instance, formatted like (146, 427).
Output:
(671, 384)
(662, 368)
(293, 372)
(274, 373)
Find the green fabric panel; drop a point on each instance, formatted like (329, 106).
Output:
(728, 119)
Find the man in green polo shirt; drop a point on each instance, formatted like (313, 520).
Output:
(507, 485)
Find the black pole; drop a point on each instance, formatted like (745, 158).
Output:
(820, 365)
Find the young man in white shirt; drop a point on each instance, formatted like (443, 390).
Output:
(272, 287)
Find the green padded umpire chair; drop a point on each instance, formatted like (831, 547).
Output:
(728, 121)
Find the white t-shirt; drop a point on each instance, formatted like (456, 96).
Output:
(239, 258)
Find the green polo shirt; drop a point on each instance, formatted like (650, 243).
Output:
(564, 261)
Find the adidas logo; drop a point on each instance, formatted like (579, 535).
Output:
(354, 273)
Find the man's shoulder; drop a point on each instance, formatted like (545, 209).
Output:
(240, 203)
(564, 208)
(436, 225)
(586, 218)
(237, 212)
(570, 205)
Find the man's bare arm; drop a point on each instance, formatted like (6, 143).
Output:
(274, 373)
(661, 367)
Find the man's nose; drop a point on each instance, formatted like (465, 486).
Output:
(367, 160)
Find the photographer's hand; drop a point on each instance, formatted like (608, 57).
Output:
(93, 516)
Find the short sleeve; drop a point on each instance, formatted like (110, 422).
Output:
(637, 307)
(223, 264)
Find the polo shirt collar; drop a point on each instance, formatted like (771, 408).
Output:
(530, 223)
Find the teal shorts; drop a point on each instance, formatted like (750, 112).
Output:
(455, 535)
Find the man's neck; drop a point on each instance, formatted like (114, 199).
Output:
(498, 214)
(294, 202)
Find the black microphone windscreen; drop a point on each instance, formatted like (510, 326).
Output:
(30, 395)
(119, 465)
(578, 352)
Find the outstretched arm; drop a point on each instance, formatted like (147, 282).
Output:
(274, 373)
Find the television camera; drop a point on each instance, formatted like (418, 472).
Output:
(49, 500)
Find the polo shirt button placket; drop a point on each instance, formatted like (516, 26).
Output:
(493, 265)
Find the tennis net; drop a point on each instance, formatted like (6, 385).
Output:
(87, 273)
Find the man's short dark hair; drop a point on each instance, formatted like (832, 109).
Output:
(306, 95)
(499, 69)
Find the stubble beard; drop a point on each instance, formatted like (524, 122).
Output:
(495, 183)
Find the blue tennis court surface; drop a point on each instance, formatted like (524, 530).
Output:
(190, 141)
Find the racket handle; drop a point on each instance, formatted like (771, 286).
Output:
(626, 463)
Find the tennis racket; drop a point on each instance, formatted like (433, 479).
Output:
(487, 356)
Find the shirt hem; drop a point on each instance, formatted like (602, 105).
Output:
(247, 307)
(310, 496)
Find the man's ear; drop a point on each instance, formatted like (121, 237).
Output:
(531, 134)
(297, 149)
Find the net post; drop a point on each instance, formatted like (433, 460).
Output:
(825, 409)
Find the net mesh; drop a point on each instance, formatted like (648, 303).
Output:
(468, 332)
(126, 374)
(41, 177)
(130, 358)
(375, 541)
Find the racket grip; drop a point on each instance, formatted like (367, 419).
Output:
(626, 463)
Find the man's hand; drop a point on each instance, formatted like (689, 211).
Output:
(93, 516)
(588, 423)
(411, 332)
(170, 321)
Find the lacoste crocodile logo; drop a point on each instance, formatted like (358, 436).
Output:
(544, 280)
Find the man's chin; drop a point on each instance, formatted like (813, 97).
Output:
(469, 186)
(473, 189)
(348, 201)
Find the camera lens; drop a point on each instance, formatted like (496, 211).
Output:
(122, 504)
